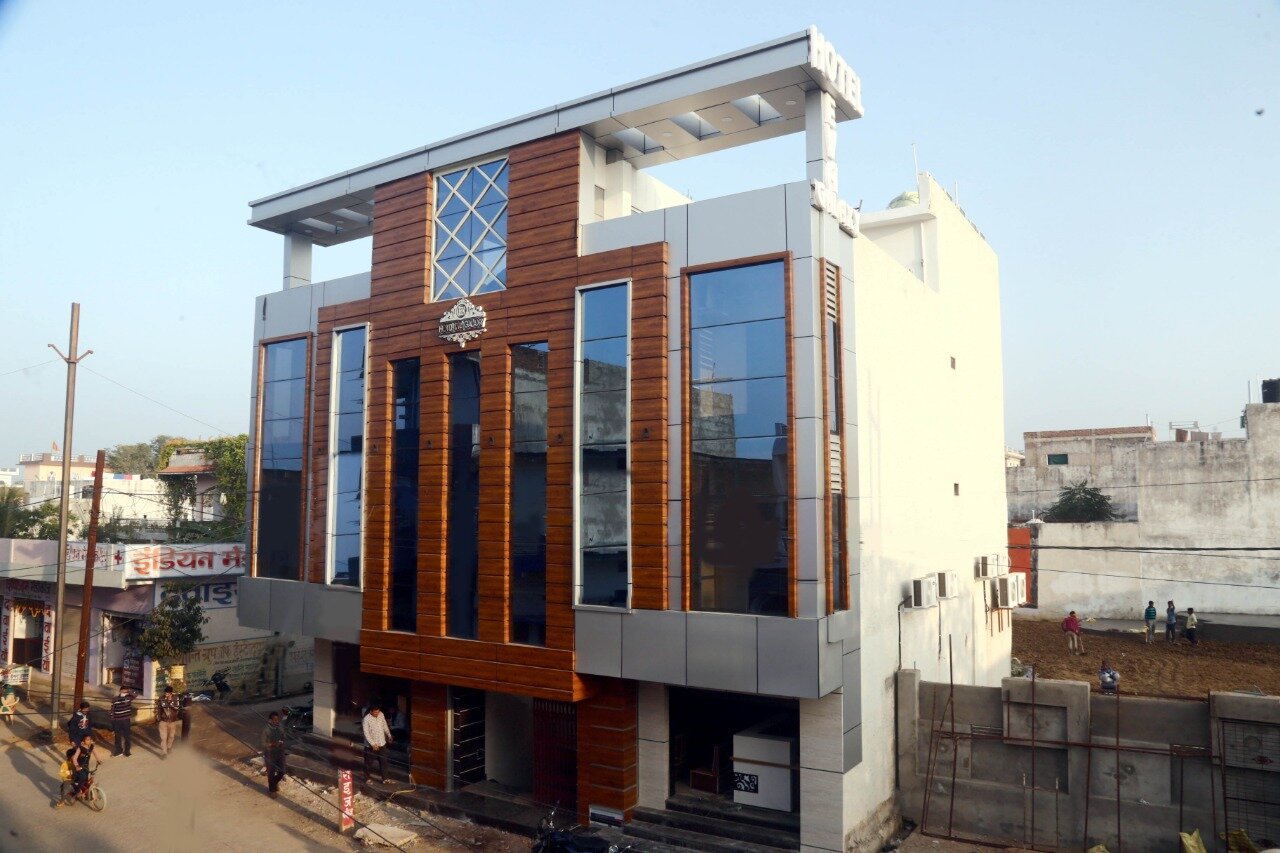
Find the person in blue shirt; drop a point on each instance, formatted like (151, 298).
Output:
(1171, 623)
(1108, 678)
(1149, 616)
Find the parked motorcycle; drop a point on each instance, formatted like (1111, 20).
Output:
(569, 839)
(297, 718)
(219, 682)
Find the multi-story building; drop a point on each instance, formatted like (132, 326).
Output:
(615, 492)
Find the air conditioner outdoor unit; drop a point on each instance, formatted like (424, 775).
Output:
(924, 592)
(1001, 566)
(947, 586)
(983, 567)
(1009, 591)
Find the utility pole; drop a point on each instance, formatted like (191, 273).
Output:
(86, 601)
(72, 359)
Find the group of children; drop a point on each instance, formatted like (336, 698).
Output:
(1108, 678)
(1170, 623)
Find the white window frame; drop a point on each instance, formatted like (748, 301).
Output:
(335, 375)
(577, 448)
(435, 210)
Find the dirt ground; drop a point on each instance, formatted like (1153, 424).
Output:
(1161, 668)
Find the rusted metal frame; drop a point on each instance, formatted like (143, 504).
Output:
(955, 743)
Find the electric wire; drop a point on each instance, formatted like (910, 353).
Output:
(29, 367)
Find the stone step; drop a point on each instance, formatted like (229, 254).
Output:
(636, 845)
(688, 840)
(722, 826)
(727, 810)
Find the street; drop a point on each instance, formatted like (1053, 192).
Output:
(183, 802)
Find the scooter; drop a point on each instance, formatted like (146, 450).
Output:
(560, 839)
(298, 718)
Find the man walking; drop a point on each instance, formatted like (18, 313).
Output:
(1170, 623)
(169, 713)
(122, 722)
(1150, 618)
(273, 753)
(1071, 627)
(1191, 625)
(377, 734)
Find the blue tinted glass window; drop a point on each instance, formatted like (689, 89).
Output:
(282, 408)
(405, 457)
(739, 481)
(603, 519)
(346, 457)
(528, 568)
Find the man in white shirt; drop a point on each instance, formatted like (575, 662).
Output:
(377, 734)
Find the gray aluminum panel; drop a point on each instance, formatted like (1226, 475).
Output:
(332, 613)
(788, 656)
(253, 607)
(722, 651)
(597, 639)
(653, 646)
(287, 600)
(852, 748)
(852, 665)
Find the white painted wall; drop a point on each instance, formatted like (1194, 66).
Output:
(923, 427)
(1202, 494)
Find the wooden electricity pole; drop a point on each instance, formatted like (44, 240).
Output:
(86, 601)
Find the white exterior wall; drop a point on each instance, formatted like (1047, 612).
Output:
(922, 428)
(1227, 495)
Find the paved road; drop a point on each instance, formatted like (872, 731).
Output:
(185, 802)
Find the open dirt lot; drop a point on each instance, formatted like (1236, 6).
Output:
(1167, 669)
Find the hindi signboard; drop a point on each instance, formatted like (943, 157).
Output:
(175, 562)
(346, 801)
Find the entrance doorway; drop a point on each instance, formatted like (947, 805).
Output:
(28, 633)
(467, 718)
(735, 748)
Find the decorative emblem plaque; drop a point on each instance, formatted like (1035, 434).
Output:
(463, 322)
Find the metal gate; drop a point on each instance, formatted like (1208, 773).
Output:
(467, 714)
(1251, 778)
(555, 754)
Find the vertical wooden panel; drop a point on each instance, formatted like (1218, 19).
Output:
(429, 738)
(608, 726)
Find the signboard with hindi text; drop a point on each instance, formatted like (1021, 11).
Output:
(175, 562)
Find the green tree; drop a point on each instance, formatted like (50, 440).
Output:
(14, 515)
(1081, 503)
(226, 456)
(18, 520)
(173, 628)
(139, 458)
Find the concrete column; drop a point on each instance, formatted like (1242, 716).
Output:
(324, 689)
(297, 260)
(655, 746)
(820, 139)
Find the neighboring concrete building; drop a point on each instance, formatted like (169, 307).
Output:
(1204, 516)
(47, 468)
(607, 488)
(128, 581)
(1055, 459)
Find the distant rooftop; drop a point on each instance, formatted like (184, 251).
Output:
(746, 96)
(1097, 432)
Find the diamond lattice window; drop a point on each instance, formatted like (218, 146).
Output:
(471, 231)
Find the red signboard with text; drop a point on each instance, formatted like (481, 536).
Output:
(346, 801)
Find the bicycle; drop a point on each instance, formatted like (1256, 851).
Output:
(88, 791)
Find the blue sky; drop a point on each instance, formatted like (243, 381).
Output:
(1111, 153)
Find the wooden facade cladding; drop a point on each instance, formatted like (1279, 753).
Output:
(544, 272)
(608, 745)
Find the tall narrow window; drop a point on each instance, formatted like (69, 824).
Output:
(835, 439)
(283, 403)
(346, 458)
(464, 494)
(529, 494)
(471, 231)
(603, 530)
(406, 394)
(739, 498)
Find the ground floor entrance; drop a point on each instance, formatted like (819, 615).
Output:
(742, 748)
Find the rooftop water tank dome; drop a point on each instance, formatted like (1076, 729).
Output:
(906, 199)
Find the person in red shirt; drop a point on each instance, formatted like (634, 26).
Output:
(1071, 627)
